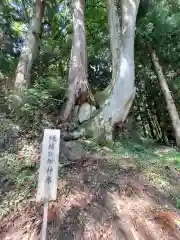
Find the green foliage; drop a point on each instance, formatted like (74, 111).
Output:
(177, 199)
(159, 26)
(50, 70)
(160, 20)
(18, 180)
(158, 23)
(97, 29)
(45, 97)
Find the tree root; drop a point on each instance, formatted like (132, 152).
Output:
(69, 136)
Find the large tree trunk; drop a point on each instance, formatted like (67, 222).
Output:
(117, 105)
(78, 91)
(30, 49)
(115, 45)
(171, 107)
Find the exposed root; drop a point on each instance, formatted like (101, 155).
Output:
(69, 136)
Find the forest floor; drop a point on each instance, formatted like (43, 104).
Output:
(131, 191)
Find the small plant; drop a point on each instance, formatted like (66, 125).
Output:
(177, 199)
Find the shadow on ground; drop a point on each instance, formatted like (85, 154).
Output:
(100, 197)
(111, 202)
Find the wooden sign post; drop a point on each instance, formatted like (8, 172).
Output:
(48, 172)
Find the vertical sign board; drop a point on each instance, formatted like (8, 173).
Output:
(48, 172)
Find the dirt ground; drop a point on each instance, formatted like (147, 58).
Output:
(98, 199)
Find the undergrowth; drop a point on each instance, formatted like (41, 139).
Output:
(18, 180)
(160, 165)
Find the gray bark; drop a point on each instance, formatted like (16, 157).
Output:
(171, 107)
(123, 92)
(120, 95)
(29, 50)
(118, 102)
(78, 91)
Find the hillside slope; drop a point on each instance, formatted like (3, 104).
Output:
(128, 192)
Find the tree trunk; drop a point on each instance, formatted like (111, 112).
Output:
(123, 92)
(171, 107)
(78, 91)
(117, 105)
(30, 49)
(115, 45)
(151, 127)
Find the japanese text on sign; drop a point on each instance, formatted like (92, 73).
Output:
(48, 173)
(49, 170)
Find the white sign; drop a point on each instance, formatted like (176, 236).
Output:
(48, 172)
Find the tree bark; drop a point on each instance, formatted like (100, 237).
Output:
(123, 92)
(115, 45)
(117, 105)
(78, 91)
(171, 107)
(30, 49)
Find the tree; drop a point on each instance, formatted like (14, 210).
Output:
(171, 107)
(30, 48)
(118, 100)
(158, 25)
(118, 103)
(78, 91)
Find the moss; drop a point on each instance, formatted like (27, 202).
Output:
(99, 134)
(102, 141)
(99, 131)
(90, 133)
(101, 97)
(109, 144)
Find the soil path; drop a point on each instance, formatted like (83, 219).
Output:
(98, 200)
